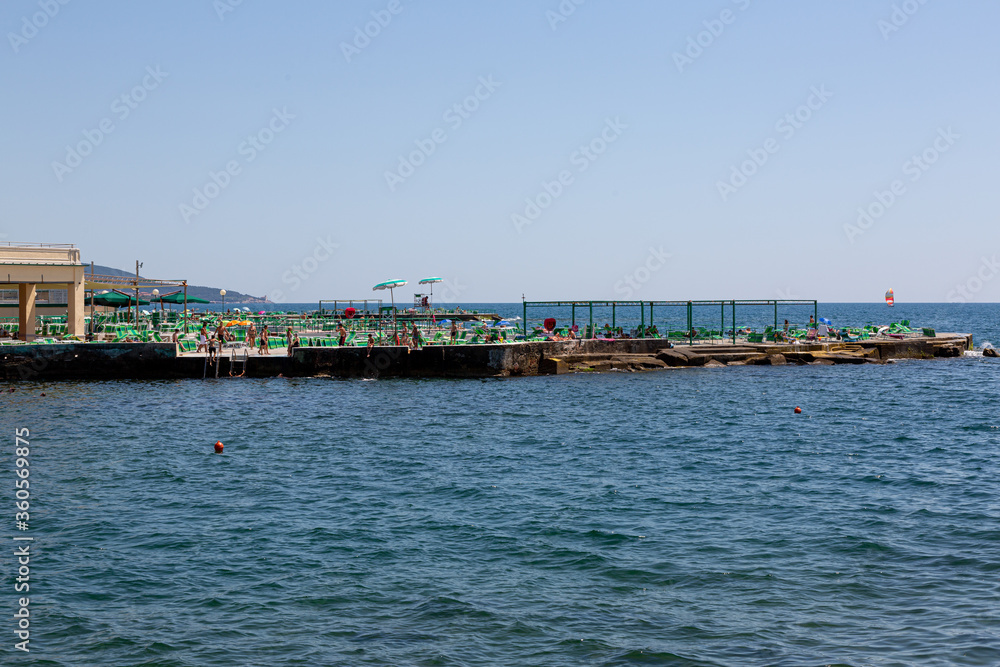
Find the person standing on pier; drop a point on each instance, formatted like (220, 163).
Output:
(417, 340)
(341, 335)
(454, 331)
(264, 336)
(251, 335)
(203, 338)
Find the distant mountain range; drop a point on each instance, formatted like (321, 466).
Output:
(200, 291)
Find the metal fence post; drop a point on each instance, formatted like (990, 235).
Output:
(734, 322)
(690, 326)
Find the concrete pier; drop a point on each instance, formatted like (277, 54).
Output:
(105, 361)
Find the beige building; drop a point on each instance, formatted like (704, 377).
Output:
(51, 266)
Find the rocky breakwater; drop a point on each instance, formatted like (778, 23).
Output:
(717, 356)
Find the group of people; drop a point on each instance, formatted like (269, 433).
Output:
(214, 342)
(412, 337)
(211, 343)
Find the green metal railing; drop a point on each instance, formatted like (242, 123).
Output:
(689, 306)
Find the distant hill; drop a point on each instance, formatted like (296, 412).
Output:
(200, 291)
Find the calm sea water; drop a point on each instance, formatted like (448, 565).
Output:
(683, 517)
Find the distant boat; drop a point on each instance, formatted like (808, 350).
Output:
(889, 299)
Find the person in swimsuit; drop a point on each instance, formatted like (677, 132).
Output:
(220, 334)
(264, 335)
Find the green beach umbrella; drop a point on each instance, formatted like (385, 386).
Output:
(115, 300)
(431, 281)
(178, 297)
(391, 285)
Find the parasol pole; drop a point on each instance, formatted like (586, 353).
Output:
(433, 320)
(395, 330)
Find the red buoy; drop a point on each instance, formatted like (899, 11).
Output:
(218, 446)
(798, 410)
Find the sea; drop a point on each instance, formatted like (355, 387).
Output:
(680, 517)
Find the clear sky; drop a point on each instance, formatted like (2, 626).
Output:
(582, 149)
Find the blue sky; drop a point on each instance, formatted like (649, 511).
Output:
(643, 150)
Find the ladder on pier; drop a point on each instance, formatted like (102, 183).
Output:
(216, 364)
(238, 357)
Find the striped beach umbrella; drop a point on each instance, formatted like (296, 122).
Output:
(431, 281)
(391, 285)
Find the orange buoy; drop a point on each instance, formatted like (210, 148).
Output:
(218, 446)
(798, 411)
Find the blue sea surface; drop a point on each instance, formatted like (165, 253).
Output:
(677, 517)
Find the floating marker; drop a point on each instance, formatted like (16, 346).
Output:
(798, 411)
(218, 446)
